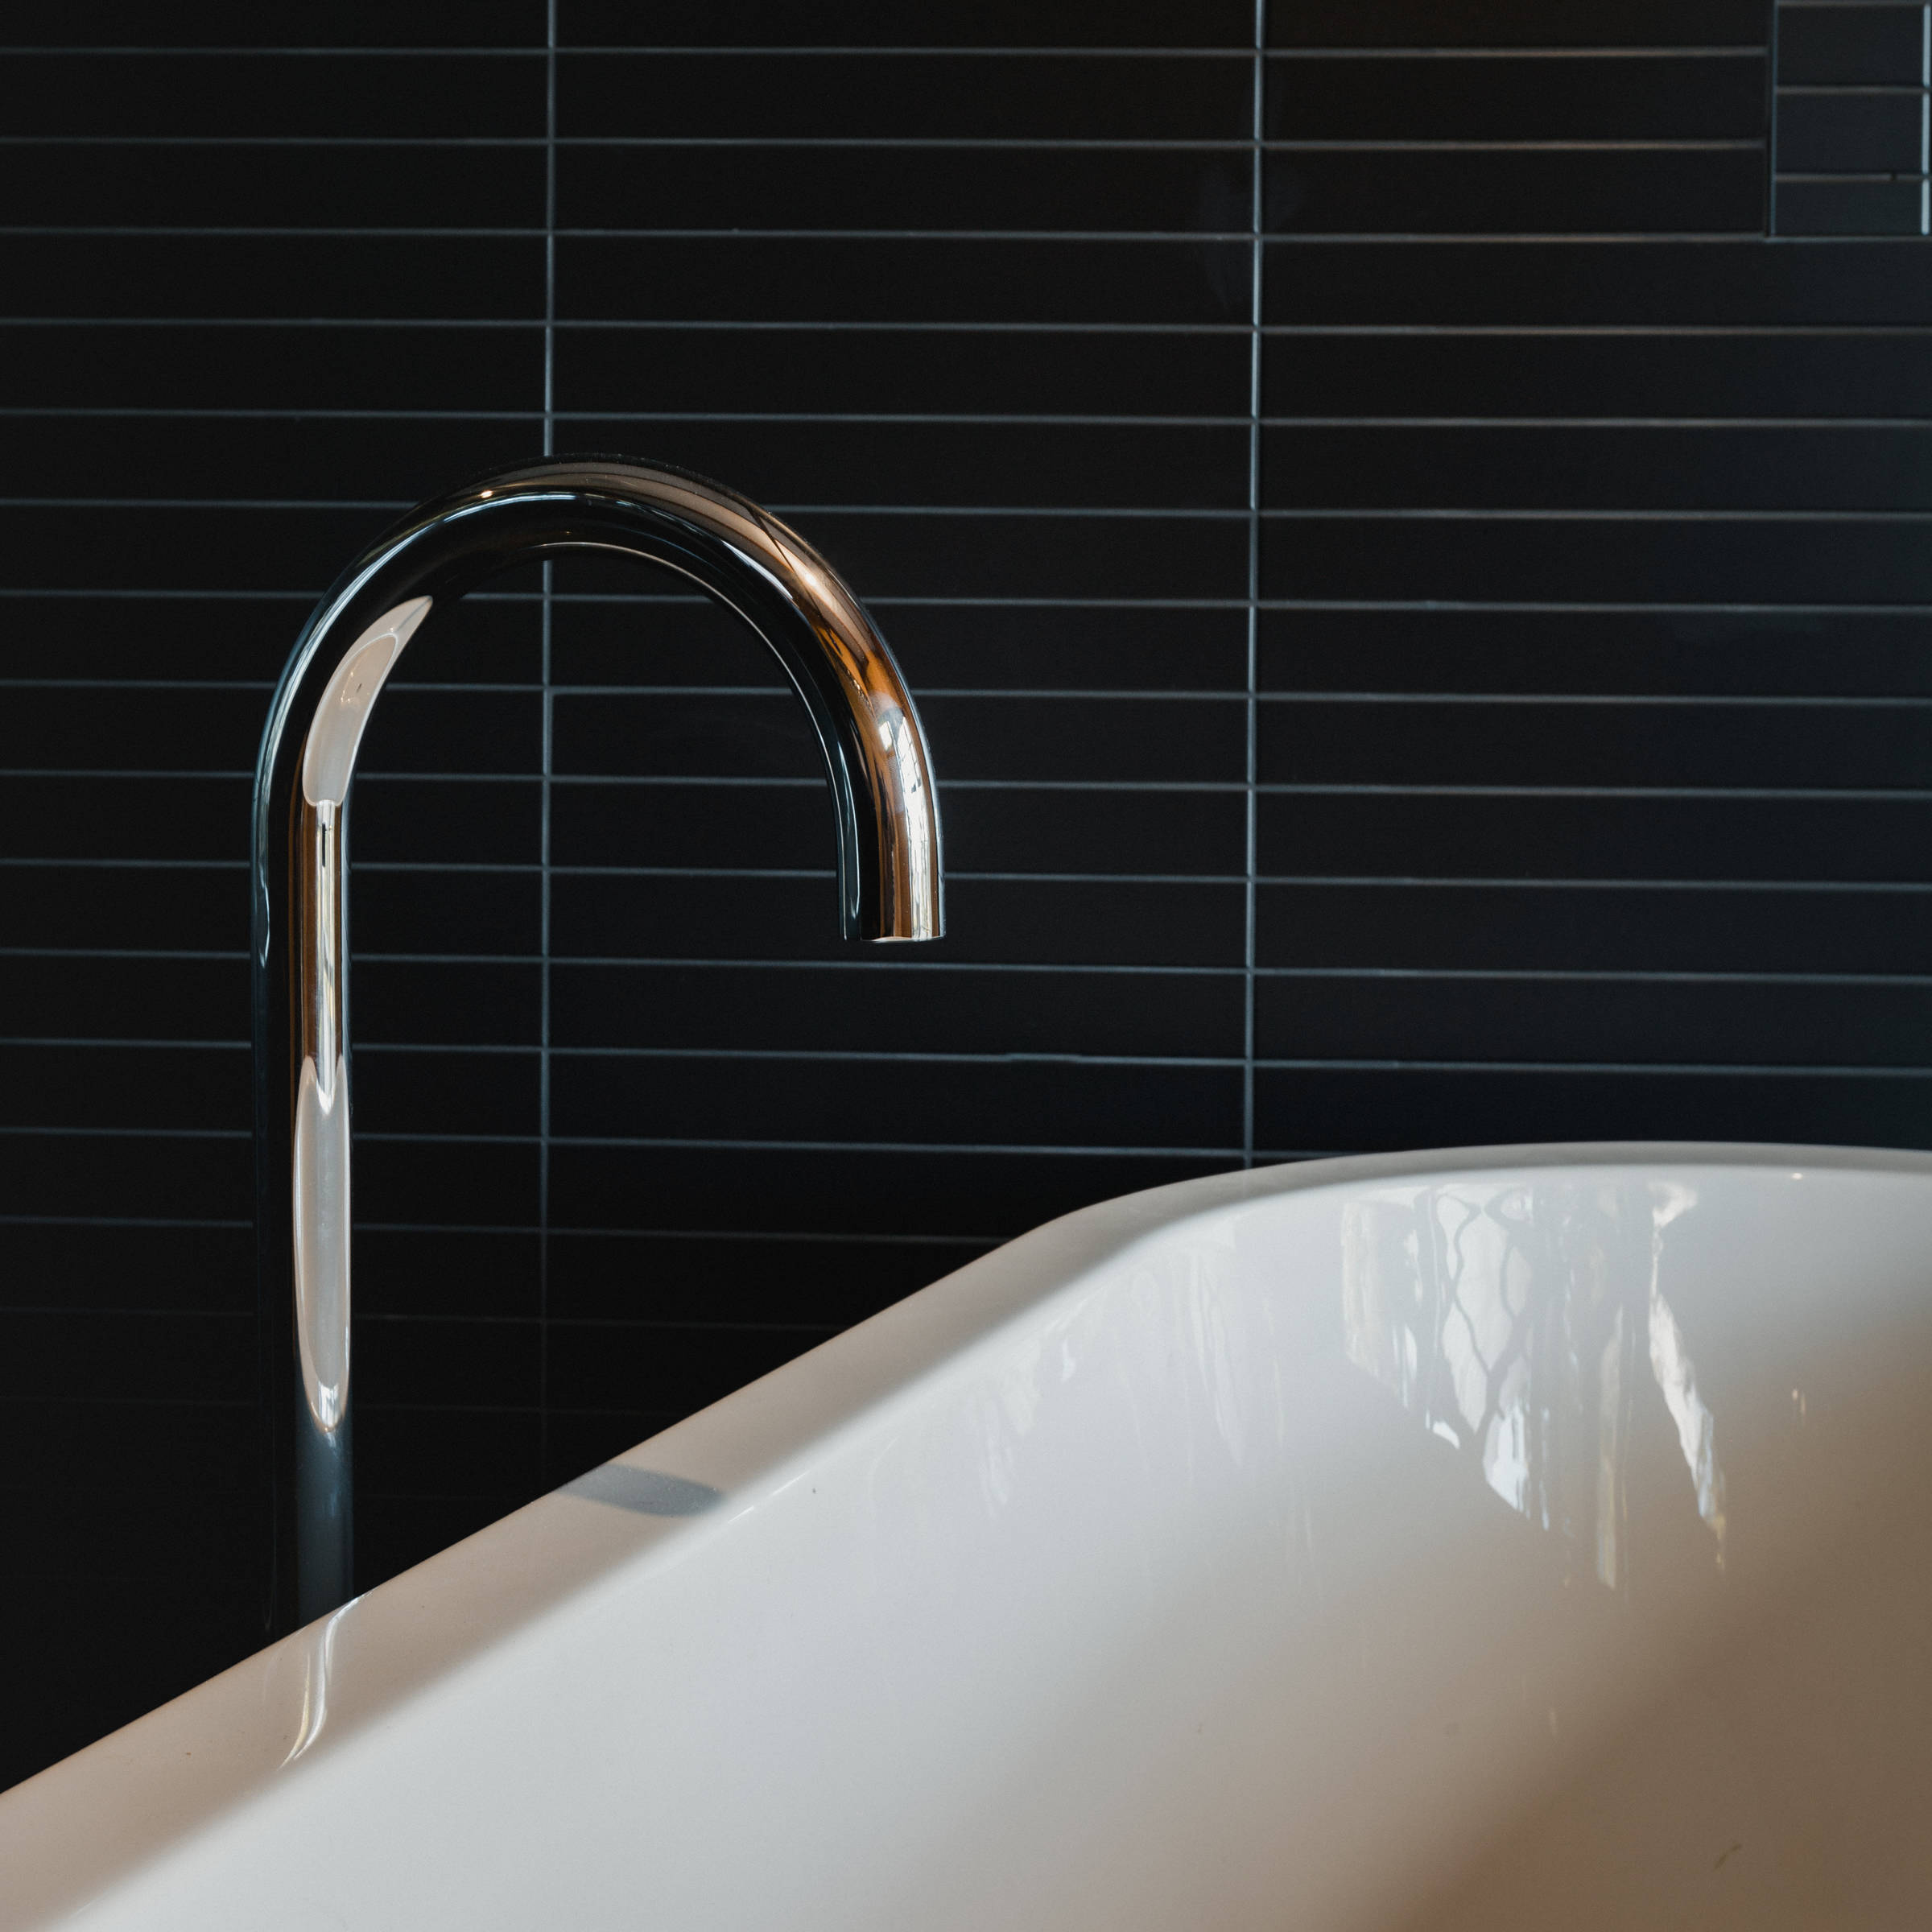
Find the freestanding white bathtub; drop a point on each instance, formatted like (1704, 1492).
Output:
(1512, 1538)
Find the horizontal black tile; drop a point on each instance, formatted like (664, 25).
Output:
(57, 997)
(694, 825)
(403, 1359)
(1798, 654)
(447, 1002)
(816, 372)
(430, 1450)
(1016, 828)
(1592, 466)
(1021, 922)
(76, 1266)
(99, 816)
(133, 1536)
(1091, 190)
(882, 22)
(1578, 283)
(244, 277)
(826, 1285)
(881, 95)
(191, 1357)
(399, 1090)
(172, 1087)
(1422, 742)
(179, 906)
(1796, 559)
(172, 1176)
(450, 913)
(142, 727)
(280, 184)
(1508, 836)
(453, 1184)
(448, 1272)
(1500, 192)
(1577, 928)
(1638, 96)
(1849, 207)
(265, 366)
(286, 459)
(1693, 1022)
(1832, 45)
(1848, 133)
(224, 639)
(467, 819)
(1373, 1111)
(347, 23)
(1424, 23)
(609, 1365)
(95, 547)
(903, 1009)
(810, 1191)
(1652, 372)
(156, 1449)
(874, 281)
(1002, 465)
(1057, 1102)
(753, 734)
(316, 94)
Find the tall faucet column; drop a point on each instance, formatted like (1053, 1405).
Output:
(886, 826)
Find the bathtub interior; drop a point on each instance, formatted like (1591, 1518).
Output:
(1505, 1545)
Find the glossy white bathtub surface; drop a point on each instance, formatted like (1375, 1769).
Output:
(1509, 1539)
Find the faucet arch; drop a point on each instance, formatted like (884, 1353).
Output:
(889, 882)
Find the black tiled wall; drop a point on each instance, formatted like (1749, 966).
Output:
(1419, 605)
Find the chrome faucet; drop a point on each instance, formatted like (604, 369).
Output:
(889, 878)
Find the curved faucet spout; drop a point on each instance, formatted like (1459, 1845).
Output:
(884, 812)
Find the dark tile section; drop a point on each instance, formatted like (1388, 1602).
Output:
(1852, 139)
(745, 94)
(1848, 206)
(808, 187)
(1827, 44)
(1589, 284)
(1610, 370)
(1423, 190)
(1862, 132)
(860, 24)
(1530, 97)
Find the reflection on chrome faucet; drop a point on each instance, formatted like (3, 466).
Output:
(886, 826)
(1520, 1340)
(317, 1649)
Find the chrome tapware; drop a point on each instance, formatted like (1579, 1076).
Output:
(884, 809)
